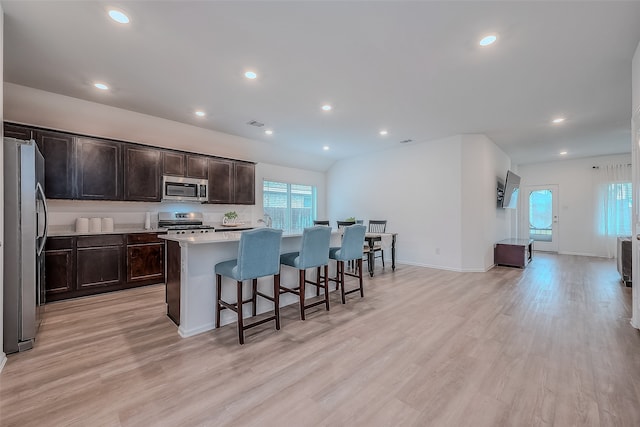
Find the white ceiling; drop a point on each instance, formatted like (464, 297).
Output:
(413, 68)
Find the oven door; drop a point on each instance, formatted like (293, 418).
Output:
(184, 189)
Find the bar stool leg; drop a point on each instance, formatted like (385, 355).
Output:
(218, 298)
(254, 298)
(276, 298)
(240, 321)
(341, 263)
(318, 282)
(360, 277)
(326, 285)
(301, 290)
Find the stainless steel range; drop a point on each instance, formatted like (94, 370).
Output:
(183, 223)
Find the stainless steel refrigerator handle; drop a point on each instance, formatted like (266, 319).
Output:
(46, 218)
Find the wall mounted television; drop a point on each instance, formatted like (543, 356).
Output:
(508, 197)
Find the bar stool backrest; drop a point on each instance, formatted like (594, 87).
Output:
(352, 243)
(314, 251)
(259, 253)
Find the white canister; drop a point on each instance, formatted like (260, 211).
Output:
(147, 221)
(82, 225)
(95, 225)
(107, 225)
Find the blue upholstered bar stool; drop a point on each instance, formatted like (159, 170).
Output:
(351, 250)
(258, 256)
(314, 253)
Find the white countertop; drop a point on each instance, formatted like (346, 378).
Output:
(59, 231)
(207, 238)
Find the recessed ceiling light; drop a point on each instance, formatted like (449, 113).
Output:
(268, 132)
(325, 148)
(250, 75)
(490, 39)
(101, 86)
(327, 107)
(563, 153)
(383, 132)
(558, 120)
(200, 113)
(118, 16)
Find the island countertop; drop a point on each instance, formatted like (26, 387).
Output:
(206, 238)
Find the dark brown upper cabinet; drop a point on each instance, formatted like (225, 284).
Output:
(18, 132)
(173, 163)
(59, 165)
(197, 166)
(245, 183)
(220, 181)
(141, 173)
(99, 169)
(231, 182)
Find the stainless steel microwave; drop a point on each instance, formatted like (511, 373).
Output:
(184, 189)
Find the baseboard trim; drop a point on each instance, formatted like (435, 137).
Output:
(440, 267)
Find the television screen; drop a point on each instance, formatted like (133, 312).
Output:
(511, 188)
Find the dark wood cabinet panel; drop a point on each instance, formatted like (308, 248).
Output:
(17, 131)
(141, 174)
(59, 166)
(100, 240)
(59, 258)
(173, 281)
(145, 263)
(244, 183)
(173, 163)
(99, 267)
(220, 181)
(99, 169)
(197, 166)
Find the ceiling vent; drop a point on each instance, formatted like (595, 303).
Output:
(255, 123)
(406, 141)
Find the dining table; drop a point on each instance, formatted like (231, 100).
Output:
(383, 238)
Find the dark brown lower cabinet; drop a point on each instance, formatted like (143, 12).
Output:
(100, 261)
(145, 259)
(59, 258)
(87, 265)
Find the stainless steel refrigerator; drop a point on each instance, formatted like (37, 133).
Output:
(25, 233)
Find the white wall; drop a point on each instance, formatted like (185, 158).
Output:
(439, 196)
(483, 223)
(577, 223)
(635, 90)
(3, 358)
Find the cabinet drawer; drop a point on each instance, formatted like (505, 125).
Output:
(56, 243)
(133, 239)
(101, 240)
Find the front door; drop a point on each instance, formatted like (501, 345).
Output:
(540, 221)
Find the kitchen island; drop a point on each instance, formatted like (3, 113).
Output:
(191, 290)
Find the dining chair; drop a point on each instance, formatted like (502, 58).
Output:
(351, 250)
(320, 222)
(258, 256)
(377, 226)
(314, 253)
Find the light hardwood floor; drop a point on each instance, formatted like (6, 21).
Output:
(549, 345)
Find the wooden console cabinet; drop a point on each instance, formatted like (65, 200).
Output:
(513, 252)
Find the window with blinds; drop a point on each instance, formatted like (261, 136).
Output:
(292, 207)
